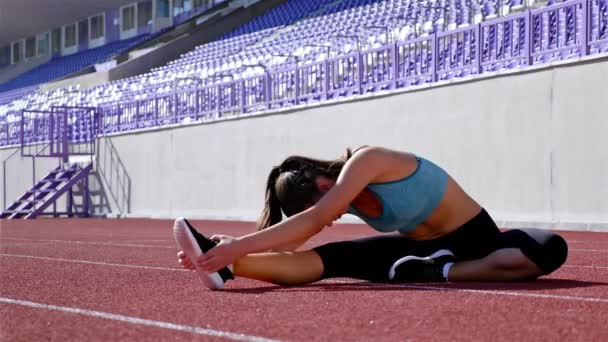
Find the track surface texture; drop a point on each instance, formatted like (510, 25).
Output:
(110, 279)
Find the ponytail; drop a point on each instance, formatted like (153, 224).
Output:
(297, 188)
(271, 214)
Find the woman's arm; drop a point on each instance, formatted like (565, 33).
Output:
(358, 172)
(290, 246)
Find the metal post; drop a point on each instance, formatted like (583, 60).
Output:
(297, 87)
(34, 181)
(478, 47)
(268, 91)
(530, 40)
(118, 113)
(196, 101)
(360, 72)
(137, 114)
(85, 200)
(219, 100)
(325, 79)
(64, 137)
(243, 98)
(155, 110)
(69, 203)
(4, 184)
(21, 137)
(395, 51)
(435, 47)
(175, 107)
(585, 33)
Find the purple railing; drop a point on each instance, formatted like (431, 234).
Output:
(313, 84)
(416, 62)
(10, 132)
(457, 52)
(43, 133)
(504, 43)
(562, 31)
(597, 24)
(60, 132)
(559, 32)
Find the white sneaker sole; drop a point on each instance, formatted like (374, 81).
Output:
(186, 241)
(439, 253)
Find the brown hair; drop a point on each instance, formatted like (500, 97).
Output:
(291, 186)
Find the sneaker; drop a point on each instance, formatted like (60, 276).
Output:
(194, 244)
(421, 269)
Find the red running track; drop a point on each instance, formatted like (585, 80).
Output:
(95, 279)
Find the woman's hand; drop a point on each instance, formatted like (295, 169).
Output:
(184, 261)
(225, 253)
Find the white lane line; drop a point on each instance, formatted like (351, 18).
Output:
(176, 269)
(138, 241)
(490, 292)
(91, 243)
(586, 241)
(139, 321)
(437, 288)
(585, 266)
(92, 262)
(171, 247)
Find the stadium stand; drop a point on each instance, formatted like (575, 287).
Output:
(307, 51)
(61, 66)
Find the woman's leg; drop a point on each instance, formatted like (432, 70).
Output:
(508, 264)
(516, 255)
(521, 254)
(366, 259)
(284, 268)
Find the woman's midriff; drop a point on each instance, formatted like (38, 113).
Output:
(455, 209)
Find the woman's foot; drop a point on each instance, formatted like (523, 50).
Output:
(193, 244)
(422, 269)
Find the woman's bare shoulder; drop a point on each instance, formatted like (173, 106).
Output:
(381, 152)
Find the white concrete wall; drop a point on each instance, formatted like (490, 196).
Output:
(530, 147)
(19, 173)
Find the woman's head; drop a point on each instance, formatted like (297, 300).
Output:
(293, 186)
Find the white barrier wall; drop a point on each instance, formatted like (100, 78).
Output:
(19, 173)
(530, 147)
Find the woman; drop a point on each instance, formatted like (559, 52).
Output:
(443, 234)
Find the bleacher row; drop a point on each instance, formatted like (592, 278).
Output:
(60, 66)
(308, 51)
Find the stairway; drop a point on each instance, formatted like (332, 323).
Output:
(34, 201)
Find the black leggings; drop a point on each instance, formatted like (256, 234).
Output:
(371, 258)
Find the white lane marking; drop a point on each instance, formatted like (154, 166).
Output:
(585, 266)
(92, 262)
(437, 288)
(176, 269)
(91, 243)
(491, 292)
(138, 241)
(171, 247)
(139, 321)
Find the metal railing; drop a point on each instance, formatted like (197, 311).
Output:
(562, 31)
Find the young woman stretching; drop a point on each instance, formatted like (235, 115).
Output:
(442, 233)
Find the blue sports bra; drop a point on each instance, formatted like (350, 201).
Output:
(407, 202)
